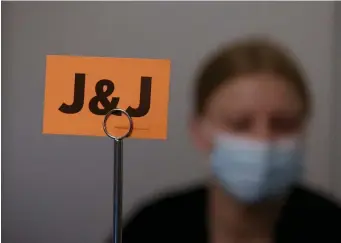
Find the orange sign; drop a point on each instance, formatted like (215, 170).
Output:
(79, 92)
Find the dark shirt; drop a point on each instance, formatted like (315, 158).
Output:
(181, 218)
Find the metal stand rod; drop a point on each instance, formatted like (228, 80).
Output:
(118, 191)
(118, 173)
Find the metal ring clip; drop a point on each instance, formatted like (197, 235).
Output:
(111, 112)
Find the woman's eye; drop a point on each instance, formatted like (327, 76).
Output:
(285, 125)
(240, 125)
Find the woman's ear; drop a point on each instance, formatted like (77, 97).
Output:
(198, 134)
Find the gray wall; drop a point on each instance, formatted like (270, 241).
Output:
(336, 152)
(57, 189)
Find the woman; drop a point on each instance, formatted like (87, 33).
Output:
(251, 107)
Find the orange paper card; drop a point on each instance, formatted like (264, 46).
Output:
(79, 91)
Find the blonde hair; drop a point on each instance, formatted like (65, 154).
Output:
(248, 56)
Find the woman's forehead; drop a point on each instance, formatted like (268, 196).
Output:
(257, 93)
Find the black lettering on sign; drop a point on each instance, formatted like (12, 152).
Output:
(102, 97)
(104, 88)
(145, 97)
(78, 97)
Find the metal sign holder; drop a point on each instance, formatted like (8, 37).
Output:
(118, 173)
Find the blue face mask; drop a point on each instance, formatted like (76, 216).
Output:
(254, 171)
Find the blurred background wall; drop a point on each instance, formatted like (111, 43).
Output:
(336, 104)
(58, 189)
